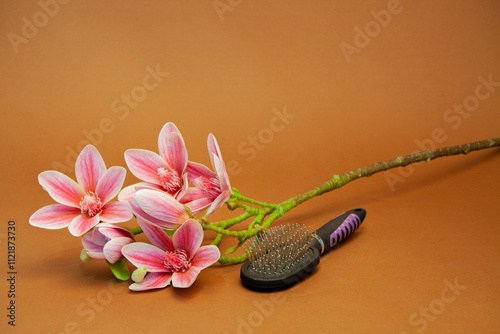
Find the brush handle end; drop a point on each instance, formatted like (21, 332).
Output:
(337, 229)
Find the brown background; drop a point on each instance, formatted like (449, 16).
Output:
(229, 74)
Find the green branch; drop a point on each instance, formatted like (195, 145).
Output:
(341, 180)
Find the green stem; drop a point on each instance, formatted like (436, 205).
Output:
(257, 220)
(235, 234)
(235, 247)
(135, 231)
(341, 180)
(240, 197)
(233, 221)
(232, 259)
(217, 240)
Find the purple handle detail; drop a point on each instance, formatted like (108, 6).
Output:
(350, 224)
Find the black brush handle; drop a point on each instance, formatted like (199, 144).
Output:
(337, 229)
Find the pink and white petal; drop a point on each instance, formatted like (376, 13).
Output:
(193, 193)
(163, 139)
(112, 231)
(218, 202)
(96, 255)
(113, 248)
(54, 216)
(224, 182)
(152, 281)
(194, 170)
(144, 164)
(161, 206)
(89, 168)
(220, 168)
(110, 183)
(177, 156)
(184, 188)
(156, 235)
(148, 185)
(213, 148)
(205, 256)
(144, 255)
(82, 223)
(188, 237)
(61, 188)
(185, 279)
(128, 193)
(196, 199)
(138, 212)
(199, 205)
(116, 212)
(97, 237)
(92, 244)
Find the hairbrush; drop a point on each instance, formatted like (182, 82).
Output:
(285, 255)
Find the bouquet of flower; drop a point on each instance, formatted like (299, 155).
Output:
(171, 206)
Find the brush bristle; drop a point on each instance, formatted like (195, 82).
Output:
(278, 249)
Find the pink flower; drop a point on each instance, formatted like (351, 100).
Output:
(212, 189)
(158, 208)
(106, 242)
(166, 171)
(83, 204)
(178, 260)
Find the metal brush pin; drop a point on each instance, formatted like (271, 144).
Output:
(276, 250)
(284, 255)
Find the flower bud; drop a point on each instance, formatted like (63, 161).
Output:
(84, 256)
(138, 275)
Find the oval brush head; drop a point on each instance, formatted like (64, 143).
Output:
(279, 258)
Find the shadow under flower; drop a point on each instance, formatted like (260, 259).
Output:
(63, 258)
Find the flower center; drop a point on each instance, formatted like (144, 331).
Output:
(91, 204)
(177, 261)
(210, 185)
(170, 180)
